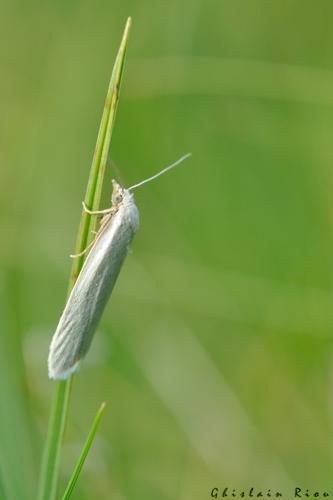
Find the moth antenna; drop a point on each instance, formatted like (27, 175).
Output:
(169, 167)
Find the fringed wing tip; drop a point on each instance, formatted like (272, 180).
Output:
(57, 374)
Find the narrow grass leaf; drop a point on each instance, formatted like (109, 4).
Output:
(84, 453)
(51, 457)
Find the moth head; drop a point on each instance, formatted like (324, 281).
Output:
(117, 193)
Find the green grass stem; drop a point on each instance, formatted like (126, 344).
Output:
(51, 456)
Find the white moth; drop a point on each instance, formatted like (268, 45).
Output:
(97, 278)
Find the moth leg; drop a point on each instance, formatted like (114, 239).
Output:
(75, 255)
(95, 212)
(108, 216)
(102, 223)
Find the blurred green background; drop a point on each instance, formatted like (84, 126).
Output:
(215, 350)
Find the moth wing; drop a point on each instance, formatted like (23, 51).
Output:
(90, 294)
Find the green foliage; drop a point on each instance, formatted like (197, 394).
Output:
(84, 453)
(51, 456)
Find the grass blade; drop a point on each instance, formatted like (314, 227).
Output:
(51, 457)
(84, 453)
(97, 171)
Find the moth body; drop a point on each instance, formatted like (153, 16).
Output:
(93, 286)
(96, 280)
